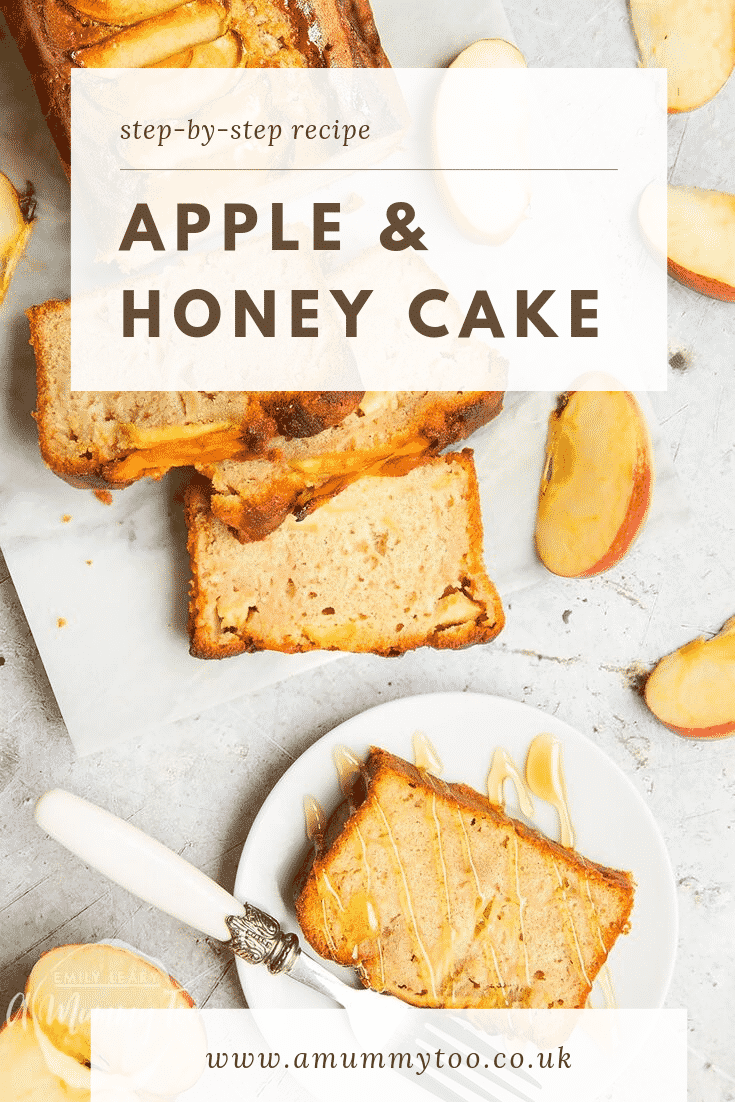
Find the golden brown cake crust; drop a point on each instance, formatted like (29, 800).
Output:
(85, 437)
(270, 33)
(254, 499)
(413, 885)
(393, 564)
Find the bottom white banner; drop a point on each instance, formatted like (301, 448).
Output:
(391, 1050)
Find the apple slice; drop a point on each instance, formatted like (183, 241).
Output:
(490, 53)
(16, 222)
(156, 38)
(652, 216)
(596, 484)
(24, 1073)
(67, 983)
(48, 1053)
(693, 39)
(481, 126)
(701, 240)
(692, 691)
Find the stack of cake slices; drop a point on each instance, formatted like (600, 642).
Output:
(316, 520)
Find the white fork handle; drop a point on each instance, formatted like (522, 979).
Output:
(137, 862)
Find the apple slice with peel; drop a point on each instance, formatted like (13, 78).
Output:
(481, 125)
(701, 240)
(692, 691)
(596, 484)
(16, 222)
(693, 39)
(24, 1073)
(69, 982)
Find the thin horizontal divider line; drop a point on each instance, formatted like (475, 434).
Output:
(435, 169)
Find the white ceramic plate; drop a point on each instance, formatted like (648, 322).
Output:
(612, 823)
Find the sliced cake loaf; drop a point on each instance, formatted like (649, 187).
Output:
(56, 37)
(254, 496)
(112, 439)
(442, 899)
(392, 563)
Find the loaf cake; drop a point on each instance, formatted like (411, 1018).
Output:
(54, 36)
(439, 897)
(254, 496)
(393, 563)
(112, 439)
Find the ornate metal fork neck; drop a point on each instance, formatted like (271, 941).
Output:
(258, 939)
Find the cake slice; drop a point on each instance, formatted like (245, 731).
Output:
(442, 899)
(254, 496)
(393, 563)
(111, 439)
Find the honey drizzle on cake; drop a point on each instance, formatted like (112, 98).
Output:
(425, 756)
(373, 920)
(544, 779)
(316, 821)
(483, 901)
(348, 768)
(521, 903)
(573, 928)
(428, 761)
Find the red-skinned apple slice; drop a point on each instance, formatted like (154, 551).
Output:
(47, 1052)
(692, 691)
(701, 240)
(67, 983)
(597, 482)
(693, 39)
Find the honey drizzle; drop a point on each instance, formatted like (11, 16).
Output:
(582, 968)
(315, 821)
(593, 912)
(348, 768)
(402, 871)
(482, 900)
(327, 931)
(370, 907)
(425, 756)
(501, 984)
(504, 769)
(545, 778)
(521, 904)
(606, 986)
(480, 894)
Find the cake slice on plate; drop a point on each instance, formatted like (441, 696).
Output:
(439, 897)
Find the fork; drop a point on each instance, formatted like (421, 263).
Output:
(160, 877)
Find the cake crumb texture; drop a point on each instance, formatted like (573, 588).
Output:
(390, 564)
